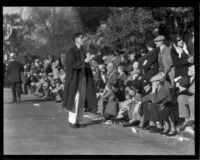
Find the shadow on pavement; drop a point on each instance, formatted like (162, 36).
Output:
(37, 100)
(93, 122)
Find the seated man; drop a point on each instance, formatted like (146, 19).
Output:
(186, 99)
(159, 95)
(131, 105)
(112, 75)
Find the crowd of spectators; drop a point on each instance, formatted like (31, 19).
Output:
(44, 78)
(154, 91)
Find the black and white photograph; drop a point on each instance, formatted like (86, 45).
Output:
(99, 80)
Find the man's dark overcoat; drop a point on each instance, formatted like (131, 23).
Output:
(74, 69)
(14, 71)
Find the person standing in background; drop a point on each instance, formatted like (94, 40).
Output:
(15, 77)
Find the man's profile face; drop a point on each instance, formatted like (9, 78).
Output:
(158, 43)
(79, 40)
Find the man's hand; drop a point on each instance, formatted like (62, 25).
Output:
(191, 59)
(154, 87)
(87, 60)
(145, 62)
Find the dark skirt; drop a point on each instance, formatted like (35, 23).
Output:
(170, 110)
(112, 109)
(145, 111)
(181, 71)
(154, 112)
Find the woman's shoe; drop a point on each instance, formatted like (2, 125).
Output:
(156, 130)
(183, 126)
(81, 125)
(127, 124)
(73, 125)
(148, 127)
(170, 134)
(165, 132)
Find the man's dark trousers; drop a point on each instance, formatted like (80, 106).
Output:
(16, 90)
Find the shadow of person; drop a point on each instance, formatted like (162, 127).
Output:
(37, 100)
(94, 122)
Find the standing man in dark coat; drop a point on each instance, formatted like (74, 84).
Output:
(75, 82)
(14, 73)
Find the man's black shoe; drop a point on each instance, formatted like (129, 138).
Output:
(127, 125)
(81, 125)
(165, 132)
(156, 130)
(73, 125)
(170, 134)
(148, 127)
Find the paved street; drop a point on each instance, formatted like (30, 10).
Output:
(30, 129)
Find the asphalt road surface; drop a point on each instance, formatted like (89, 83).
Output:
(43, 130)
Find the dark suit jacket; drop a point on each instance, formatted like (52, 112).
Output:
(14, 71)
(151, 67)
(181, 64)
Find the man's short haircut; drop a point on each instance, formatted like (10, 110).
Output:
(75, 35)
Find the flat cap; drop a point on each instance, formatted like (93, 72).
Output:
(159, 38)
(158, 77)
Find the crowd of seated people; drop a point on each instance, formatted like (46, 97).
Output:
(154, 91)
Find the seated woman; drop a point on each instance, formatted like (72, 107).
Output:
(180, 57)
